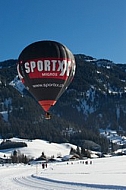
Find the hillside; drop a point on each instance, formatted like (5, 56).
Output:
(97, 95)
(35, 148)
(95, 99)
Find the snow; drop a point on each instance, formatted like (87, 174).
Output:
(113, 136)
(35, 148)
(4, 115)
(89, 174)
(85, 107)
(103, 173)
(16, 83)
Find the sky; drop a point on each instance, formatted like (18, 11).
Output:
(95, 28)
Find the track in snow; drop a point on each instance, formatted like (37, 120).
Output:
(45, 184)
(33, 182)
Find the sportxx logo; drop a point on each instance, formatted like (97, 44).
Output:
(49, 67)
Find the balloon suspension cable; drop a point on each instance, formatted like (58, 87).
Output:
(47, 115)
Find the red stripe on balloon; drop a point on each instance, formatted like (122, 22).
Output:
(46, 104)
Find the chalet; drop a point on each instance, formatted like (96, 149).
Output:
(70, 157)
(5, 160)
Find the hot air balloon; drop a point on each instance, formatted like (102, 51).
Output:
(46, 68)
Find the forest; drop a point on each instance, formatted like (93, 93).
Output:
(89, 93)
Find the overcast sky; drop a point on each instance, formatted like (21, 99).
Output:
(92, 27)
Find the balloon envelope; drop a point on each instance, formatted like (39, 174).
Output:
(46, 68)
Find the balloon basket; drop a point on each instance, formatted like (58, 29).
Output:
(47, 115)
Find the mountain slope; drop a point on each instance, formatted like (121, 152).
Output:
(95, 99)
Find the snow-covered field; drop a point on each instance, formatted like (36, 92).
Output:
(102, 173)
(35, 148)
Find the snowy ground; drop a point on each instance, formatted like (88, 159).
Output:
(35, 148)
(103, 173)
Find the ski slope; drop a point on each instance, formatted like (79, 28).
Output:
(103, 173)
